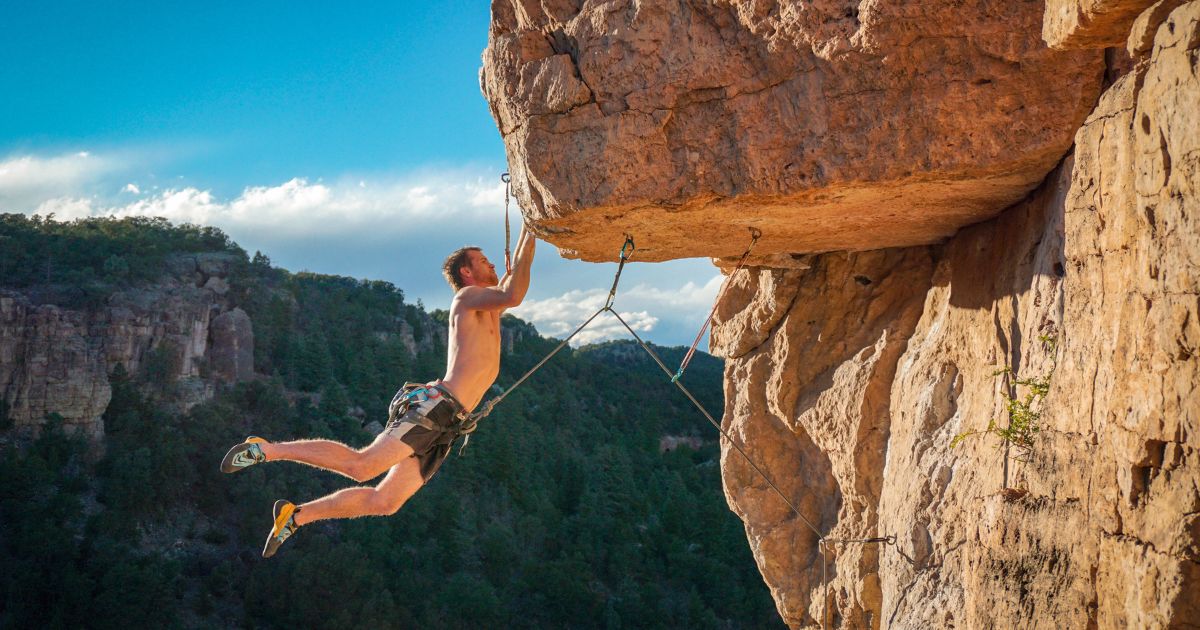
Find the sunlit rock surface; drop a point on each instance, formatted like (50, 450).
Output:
(830, 125)
(839, 127)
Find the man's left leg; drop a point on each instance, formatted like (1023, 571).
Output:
(402, 481)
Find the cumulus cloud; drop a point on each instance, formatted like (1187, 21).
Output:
(559, 316)
(132, 188)
(27, 180)
(686, 298)
(647, 305)
(299, 207)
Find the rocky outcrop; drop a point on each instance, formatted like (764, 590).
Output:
(1090, 23)
(830, 125)
(47, 365)
(1141, 35)
(231, 359)
(1016, 405)
(512, 332)
(1091, 286)
(55, 359)
(807, 396)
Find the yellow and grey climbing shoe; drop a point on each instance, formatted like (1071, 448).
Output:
(244, 455)
(285, 525)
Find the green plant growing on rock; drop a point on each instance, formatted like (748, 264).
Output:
(1024, 412)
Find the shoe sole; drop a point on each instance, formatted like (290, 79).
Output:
(232, 461)
(282, 511)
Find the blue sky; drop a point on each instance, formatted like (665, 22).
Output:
(350, 140)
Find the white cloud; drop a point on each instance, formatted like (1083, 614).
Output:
(559, 316)
(131, 188)
(644, 306)
(489, 197)
(420, 199)
(689, 296)
(27, 181)
(300, 208)
(65, 208)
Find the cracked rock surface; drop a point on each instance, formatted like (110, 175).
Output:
(58, 359)
(1091, 23)
(851, 380)
(829, 125)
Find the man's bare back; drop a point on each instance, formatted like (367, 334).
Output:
(472, 364)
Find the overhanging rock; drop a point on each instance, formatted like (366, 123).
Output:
(829, 125)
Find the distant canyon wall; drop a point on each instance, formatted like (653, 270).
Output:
(55, 359)
(867, 355)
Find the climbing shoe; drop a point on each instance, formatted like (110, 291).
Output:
(285, 525)
(244, 455)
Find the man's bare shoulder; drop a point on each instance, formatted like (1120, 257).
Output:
(463, 297)
(475, 298)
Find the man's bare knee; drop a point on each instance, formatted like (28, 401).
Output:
(386, 503)
(364, 470)
(376, 458)
(370, 464)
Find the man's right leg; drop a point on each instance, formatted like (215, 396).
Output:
(359, 465)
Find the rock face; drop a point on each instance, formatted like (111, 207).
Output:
(1017, 405)
(807, 396)
(829, 125)
(1090, 23)
(55, 359)
(1091, 285)
(232, 357)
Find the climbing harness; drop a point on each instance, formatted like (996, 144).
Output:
(627, 250)
(507, 179)
(440, 419)
(687, 358)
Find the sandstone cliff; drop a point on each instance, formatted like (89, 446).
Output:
(57, 360)
(886, 126)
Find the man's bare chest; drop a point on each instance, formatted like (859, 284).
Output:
(479, 330)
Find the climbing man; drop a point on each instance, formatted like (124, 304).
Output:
(423, 419)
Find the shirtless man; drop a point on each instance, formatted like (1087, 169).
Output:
(424, 419)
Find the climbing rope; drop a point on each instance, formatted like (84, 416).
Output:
(687, 358)
(627, 250)
(507, 179)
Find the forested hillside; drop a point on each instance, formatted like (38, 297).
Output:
(562, 512)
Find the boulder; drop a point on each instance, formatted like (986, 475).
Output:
(1072, 24)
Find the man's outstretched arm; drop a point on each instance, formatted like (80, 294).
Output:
(518, 281)
(512, 287)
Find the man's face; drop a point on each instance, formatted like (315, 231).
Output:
(479, 271)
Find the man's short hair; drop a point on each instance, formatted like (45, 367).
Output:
(454, 263)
